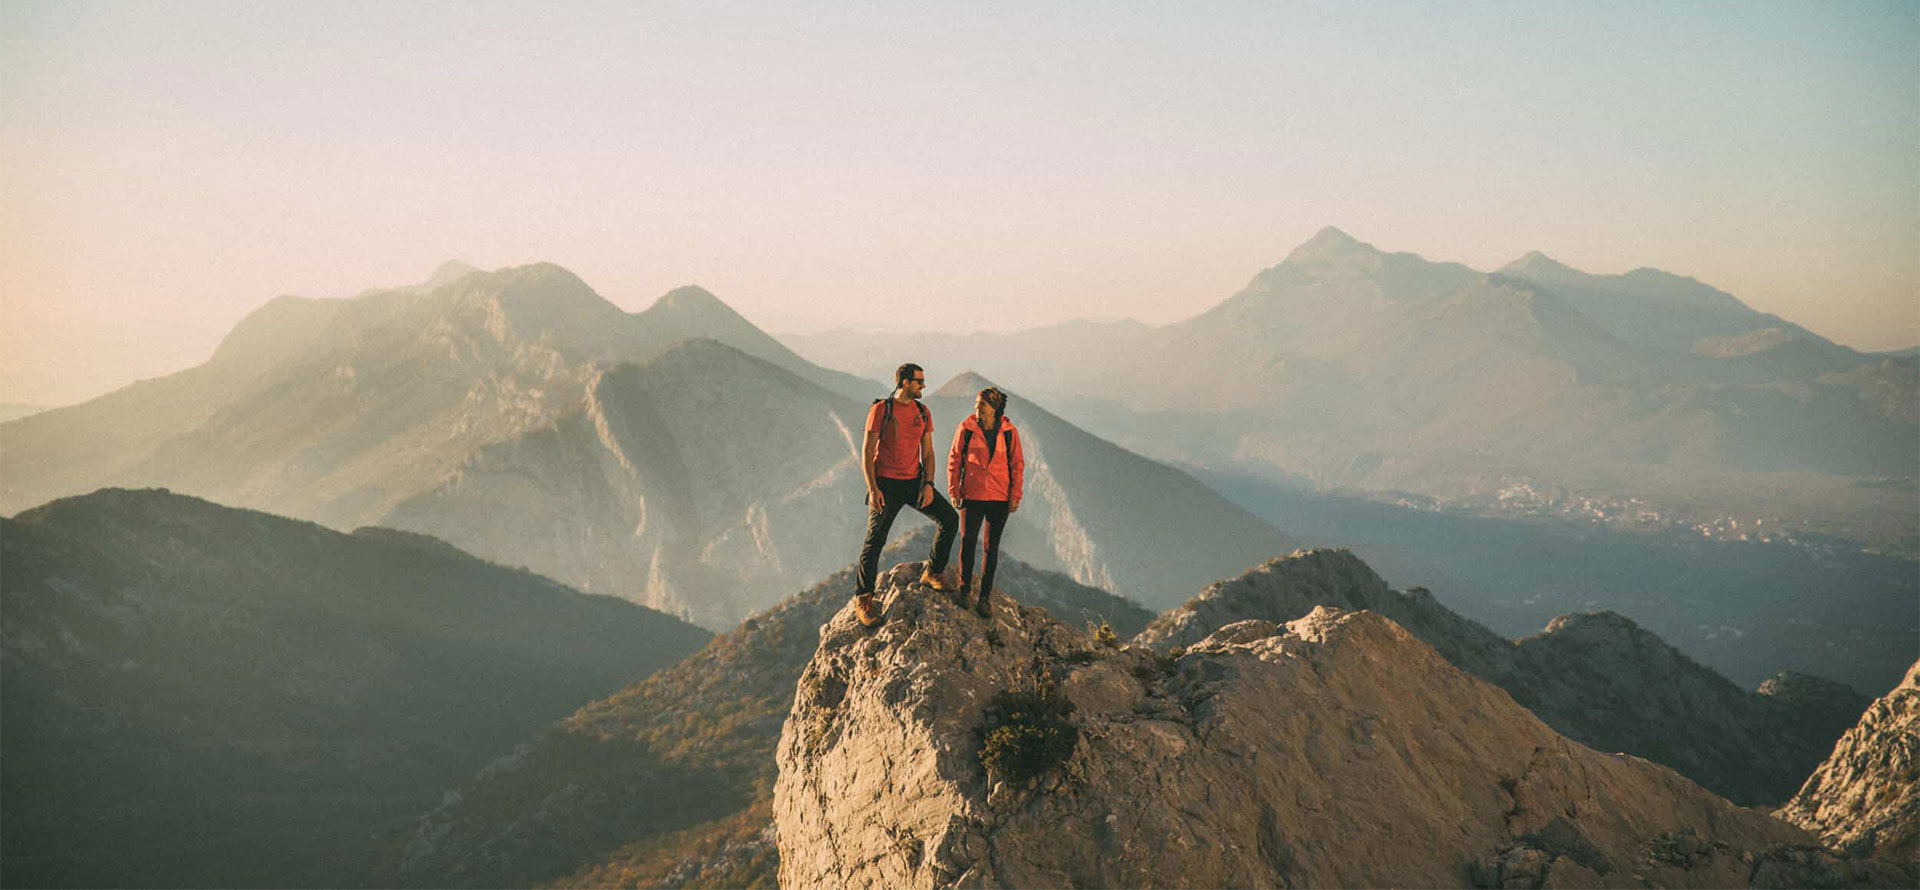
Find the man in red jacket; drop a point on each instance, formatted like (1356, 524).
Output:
(987, 474)
(898, 460)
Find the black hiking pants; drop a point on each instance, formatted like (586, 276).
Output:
(972, 513)
(900, 493)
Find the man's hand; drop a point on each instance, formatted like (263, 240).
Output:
(1013, 506)
(875, 500)
(926, 493)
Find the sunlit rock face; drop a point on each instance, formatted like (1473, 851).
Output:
(1333, 750)
(1865, 799)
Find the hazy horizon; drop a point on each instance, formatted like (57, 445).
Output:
(170, 168)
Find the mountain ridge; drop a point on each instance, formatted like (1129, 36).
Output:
(1596, 677)
(199, 695)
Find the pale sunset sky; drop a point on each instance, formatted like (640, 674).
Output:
(165, 168)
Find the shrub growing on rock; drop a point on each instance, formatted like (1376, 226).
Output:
(1027, 732)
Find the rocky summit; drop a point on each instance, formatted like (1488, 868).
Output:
(1865, 800)
(941, 749)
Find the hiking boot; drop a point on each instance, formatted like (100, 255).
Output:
(961, 594)
(866, 610)
(982, 607)
(937, 582)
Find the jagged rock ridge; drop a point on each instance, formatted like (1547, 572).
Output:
(1338, 750)
(1865, 799)
(1598, 678)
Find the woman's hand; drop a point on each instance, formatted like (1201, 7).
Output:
(927, 491)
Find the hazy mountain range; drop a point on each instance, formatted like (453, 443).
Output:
(1346, 366)
(196, 695)
(676, 456)
(228, 679)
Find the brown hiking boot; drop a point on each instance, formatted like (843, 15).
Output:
(937, 582)
(866, 610)
(982, 607)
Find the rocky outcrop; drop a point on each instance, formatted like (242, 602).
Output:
(669, 783)
(1334, 750)
(1865, 799)
(1596, 677)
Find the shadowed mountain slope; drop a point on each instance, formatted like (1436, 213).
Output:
(196, 695)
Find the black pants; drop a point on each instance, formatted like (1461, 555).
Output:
(994, 513)
(900, 493)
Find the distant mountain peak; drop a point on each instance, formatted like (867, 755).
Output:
(963, 386)
(449, 272)
(694, 301)
(1537, 263)
(690, 295)
(1327, 244)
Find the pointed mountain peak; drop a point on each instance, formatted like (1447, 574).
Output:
(1536, 263)
(964, 386)
(690, 293)
(1329, 244)
(693, 298)
(1333, 235)
(448, 273)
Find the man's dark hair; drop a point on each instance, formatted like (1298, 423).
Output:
(902, 373)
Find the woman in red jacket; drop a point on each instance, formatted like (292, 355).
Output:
(986, 472)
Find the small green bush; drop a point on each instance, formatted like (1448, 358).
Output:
(1027, 732)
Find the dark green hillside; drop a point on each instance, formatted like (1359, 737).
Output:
(199, 695)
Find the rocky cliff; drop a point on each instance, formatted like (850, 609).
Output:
(670, 782)
(1865, 799)
(1597, 677)
(942, 749)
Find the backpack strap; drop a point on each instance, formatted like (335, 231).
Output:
(966, 442)
(886, 416)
